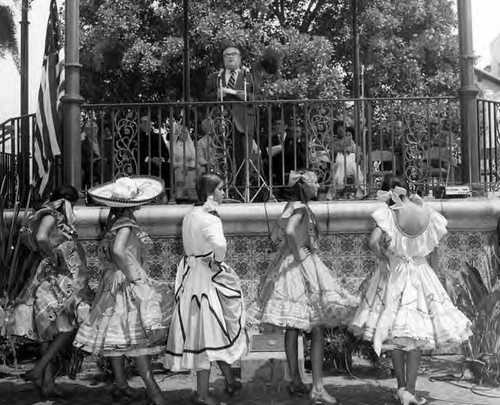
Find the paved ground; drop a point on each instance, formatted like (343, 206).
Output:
(368, 387)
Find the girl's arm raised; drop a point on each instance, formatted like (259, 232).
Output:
(374, 243)
(119, 255)
(292, 228)
(47, 225)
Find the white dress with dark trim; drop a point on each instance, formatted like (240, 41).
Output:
(404, 305)
(208, 322)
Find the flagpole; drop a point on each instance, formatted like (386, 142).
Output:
(72, 100)
(25, 131)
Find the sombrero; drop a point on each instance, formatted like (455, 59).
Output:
(127, 191)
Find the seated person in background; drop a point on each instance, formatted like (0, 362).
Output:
(184, 164)
(206, 150)
(292, 156)
(95, 163)
(346, 165)
(153, 152)
(275, 148)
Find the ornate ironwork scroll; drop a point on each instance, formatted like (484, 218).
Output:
(321, 137)
(126, 132)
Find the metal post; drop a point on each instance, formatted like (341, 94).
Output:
(355, 48)
(356, 90)
(23, 164)
(186, 91)
(468, 97)
(72, 100)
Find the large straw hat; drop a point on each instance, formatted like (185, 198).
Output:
(127, 191)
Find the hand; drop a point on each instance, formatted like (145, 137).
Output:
(304, 252)
(52, 257)
(157, 336)
(157, 161)
(215, 265)
(226, 90)
(385, 242)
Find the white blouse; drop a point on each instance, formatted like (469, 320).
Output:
(202, 233)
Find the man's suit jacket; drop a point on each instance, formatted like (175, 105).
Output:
(243, 115)
(100, 164)
(158, 149)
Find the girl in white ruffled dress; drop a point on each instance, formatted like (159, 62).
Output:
(404, 307)
(208, 322)
(299, 292)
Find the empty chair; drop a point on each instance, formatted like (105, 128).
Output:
(438, 162)
(382, 162)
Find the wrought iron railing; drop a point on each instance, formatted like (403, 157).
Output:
(16, 148)
(488, 115)
(416, 138)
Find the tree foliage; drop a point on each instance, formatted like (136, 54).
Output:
(132, 50)
(8, 41)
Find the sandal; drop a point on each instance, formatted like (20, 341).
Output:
(233, 388)
(37, 382)
(398, 395)
(54, 392)
(299, 390)
(159, 400)
(410, 399)
(205, 401)
(126, 393)
(322, 397)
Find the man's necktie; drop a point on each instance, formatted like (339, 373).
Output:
(232, 80)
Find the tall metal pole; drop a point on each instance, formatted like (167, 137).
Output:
(358, 106)
(355, 49)
(71, 140)
(186, 90)
(468, 97)
(25, 130)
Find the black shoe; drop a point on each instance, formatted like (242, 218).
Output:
(233, 388)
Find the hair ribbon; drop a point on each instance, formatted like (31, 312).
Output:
(393, 194)
(306, 177)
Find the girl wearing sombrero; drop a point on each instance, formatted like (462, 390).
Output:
(208, 321)
(131, 312)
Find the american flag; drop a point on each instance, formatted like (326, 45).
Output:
(48, 128)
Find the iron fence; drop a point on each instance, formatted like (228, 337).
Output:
(15, 158)
(488, 116)
(350, 144)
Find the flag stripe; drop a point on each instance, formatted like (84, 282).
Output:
(48, 128)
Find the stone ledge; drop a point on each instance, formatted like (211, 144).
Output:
(472, 214)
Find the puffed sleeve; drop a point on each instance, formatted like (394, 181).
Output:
(213, 232)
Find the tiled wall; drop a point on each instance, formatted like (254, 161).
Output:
(346, 254)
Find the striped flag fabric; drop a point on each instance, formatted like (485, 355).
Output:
(48, 127)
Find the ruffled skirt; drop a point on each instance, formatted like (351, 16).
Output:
(124, 315)
(56, 299)
(303, 295)
(408, 309)
(208, 323)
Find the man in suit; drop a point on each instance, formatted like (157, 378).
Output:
(153, 152)
(236, 83)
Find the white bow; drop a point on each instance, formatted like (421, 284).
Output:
(393, 194)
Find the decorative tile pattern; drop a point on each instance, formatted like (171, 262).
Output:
(346, 254)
